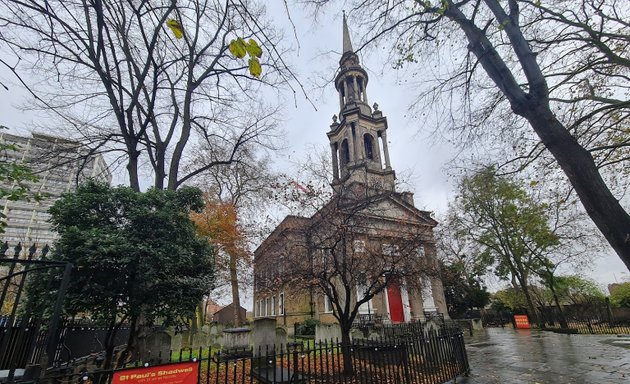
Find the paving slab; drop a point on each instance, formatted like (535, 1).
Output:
(507, 355)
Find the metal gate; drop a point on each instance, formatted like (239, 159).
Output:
(28, 336)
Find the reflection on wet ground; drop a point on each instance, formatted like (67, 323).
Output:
(528, 356)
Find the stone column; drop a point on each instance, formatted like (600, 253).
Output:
(335, 160)
(353, 132)
(340, 99)
(385, 149)
(360, 144)
(356, 88)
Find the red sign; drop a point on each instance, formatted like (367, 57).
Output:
(521, 322)
(178, 373)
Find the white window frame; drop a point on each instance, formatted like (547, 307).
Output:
(390, 249)
(266, 306)
(281, 304)
(273, 305)
(328, 305)
(358, 246)
(365, 308)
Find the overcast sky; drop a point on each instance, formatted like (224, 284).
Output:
(412, 149)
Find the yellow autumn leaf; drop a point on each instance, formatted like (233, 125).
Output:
(253, 48)
(237, 48)
(176, 27)
(254, 67)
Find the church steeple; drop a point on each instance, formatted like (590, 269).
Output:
(359, 140)
(351, 81)
(347, 43)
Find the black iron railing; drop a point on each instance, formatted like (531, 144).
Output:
(429, 357)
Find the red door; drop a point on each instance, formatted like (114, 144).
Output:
(395, 303)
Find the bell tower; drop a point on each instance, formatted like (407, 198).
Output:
(358, 137)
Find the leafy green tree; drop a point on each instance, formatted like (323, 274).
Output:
(510, 298)
(462, 291)
(136, 257)
(510, 228)
(574, 289)
(620, 295)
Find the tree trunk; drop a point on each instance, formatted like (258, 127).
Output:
(345, 348)
(132, 170)
(563, 320)
(131, 342)
(534, 318)
(194, 327)
(137, 333)
(109, 345)
(236, 298)
(578, 164)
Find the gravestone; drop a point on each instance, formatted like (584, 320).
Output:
(264, 335)
(157, 346)
(176, 341)
(356, 334)
(236, 338)
(199, 339)
(327, 332)
(281, 338)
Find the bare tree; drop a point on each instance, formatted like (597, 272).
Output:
(561, 66)
(146, 80)
(349, 252)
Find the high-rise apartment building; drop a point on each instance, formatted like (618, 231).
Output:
(60, 164)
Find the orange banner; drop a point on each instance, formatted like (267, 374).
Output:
(522, 322)
(178, 373)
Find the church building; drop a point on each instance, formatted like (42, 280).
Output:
(368, 253)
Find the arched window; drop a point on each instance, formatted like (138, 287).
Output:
(368, 142)
(345, 152)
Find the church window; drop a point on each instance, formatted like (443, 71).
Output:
(358, 246)
(361, 88)
(368, 141)
(350, 88)
(328, 305)
(390, 250)
(362, 291)
(345, 152)
(281, 304)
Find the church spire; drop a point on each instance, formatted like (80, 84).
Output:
(351, 81)
(347, 43)
(358, 136)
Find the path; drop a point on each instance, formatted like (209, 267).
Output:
(522, 356)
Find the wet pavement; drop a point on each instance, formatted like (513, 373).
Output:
(522, 356)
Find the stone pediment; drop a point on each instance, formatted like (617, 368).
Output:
(388, 206)
(393, 207)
